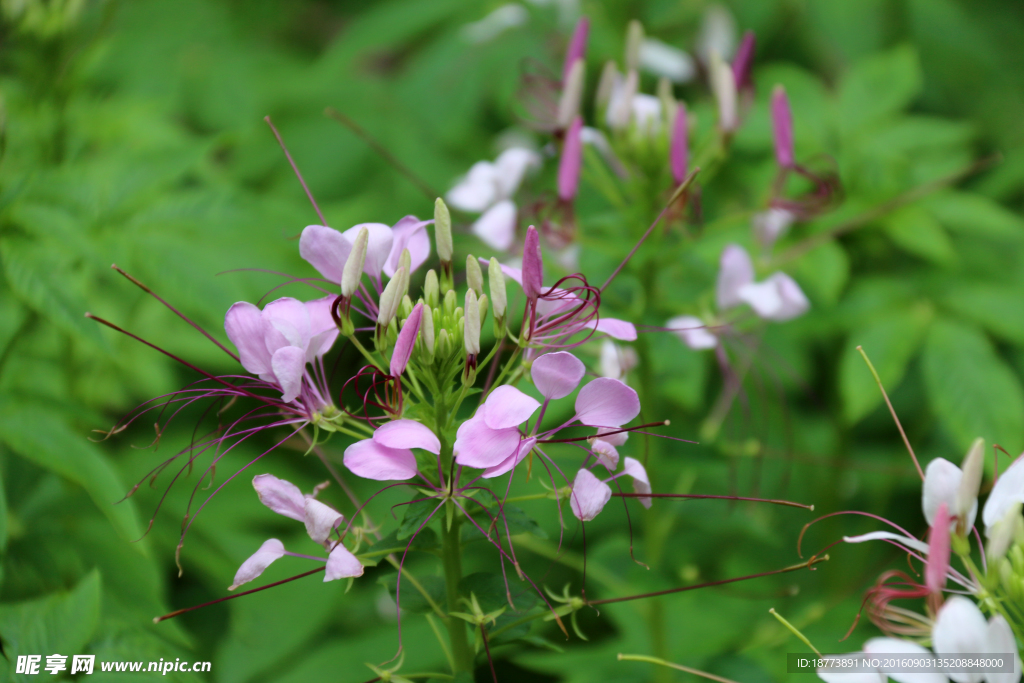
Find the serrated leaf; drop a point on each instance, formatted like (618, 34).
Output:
(890, 342)
(975, 215)
(37, 433)
(31, 271)
(971, 389)
(409, 598)
(61, 623)
(878, 86)
(917, 232)
(415, 514)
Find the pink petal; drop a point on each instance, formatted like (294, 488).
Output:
(743, 60)
(244, 326)
(693, 332)
(497, 227)
(577, 45)
(406, 340)
(533, 265)
(557, 374)
(407, 434)
(794, 302)
(614, 439)
(408, 233)
(378, 248)
(641, 484)
(326, 250)
(524, 448)
(679, 146)
(283, 497)
(735, 271)
(320, 520)
(286, 323)
(271, 550)
(322, 329)
(763, 297)
(937, 562)
(571, 162)
(589, 496)
(508, 407)
(782, 127)
(606, 402)
(605, 454)
(370, 460)
(342, 564)
(614, 328)
(289, 365)
(477, 445)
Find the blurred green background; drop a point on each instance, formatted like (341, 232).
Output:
(133, 134)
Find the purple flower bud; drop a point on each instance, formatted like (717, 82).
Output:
(782, 127)
(572, 158)
(577, 45)
(743, 61)
(533, 264)
(678, 152)
(406, 339)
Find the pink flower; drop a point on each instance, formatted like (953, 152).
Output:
(572, 159)
(779, 298)
(387, 455)
(589, 494)
(328, 250)
(782, 128)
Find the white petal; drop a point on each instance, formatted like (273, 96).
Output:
(736, 270)
(497, 227)
(320, 520)
(1009, 489)
(477, 190)
(914, 543)
(693, 332)
(512, 166)
(1001, 641)
(664, 60)
(342, 564)
(941, 482)
(960, 629)
(892, 646)
(271, 550)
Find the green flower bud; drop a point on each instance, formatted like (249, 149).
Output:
(431, 291)
(474, 276)
(634, 38)
(496, 279)
(353, 271)
(443, 230)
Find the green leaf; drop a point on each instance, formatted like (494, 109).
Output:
(879, 86)
(61, 623)
(975, 215)
(415, 515)
(997, 308)
(916, 231)
(971, 389)
(518, 523)
(490, 590)
(890, 342)
(411, 599)
(32, 271)
(824, 272)
(37, 433)
(425, 540)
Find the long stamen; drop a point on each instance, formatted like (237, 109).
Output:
(176, 312)
(892, 411)
(309, 193)
(773, 501)
(171, 615)
(785, 570)
(663, 423)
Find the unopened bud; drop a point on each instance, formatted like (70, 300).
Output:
(471, 334)
(606, 85)
(533, 265)
(634, 38)
(1002, 533)
(723, 84)
(496, 279)
(443, 346)
(450, 302)
(390, 298)
(970, 483)
(572, 94)
(405, 261)
(474, 277)
(353, 271)
(482, 304)
(443, 230)
(431, 291)
(620, 109)
(427, 331)
(668, 100)
(405, 308)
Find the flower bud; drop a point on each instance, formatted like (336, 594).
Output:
(973, 469)
(390, 298)
(668, 100)
(606, 85)
(405, 261)
(443, 345)
(570, 163)
(577, 46)
(450, 302)
(620, 107)
(499, 299)
(782, 128)
(572, 94)
(474, 277)
(533, 265)
(427, 332)
(743, 60)
(482, 303)
(431, 291)
(723, 84)
(443, 230)
(406, 341)
(353, 271)
(678, 147)
(472, 324)
(405, 308)
(634, 38)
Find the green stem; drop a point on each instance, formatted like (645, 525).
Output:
(451, 554)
